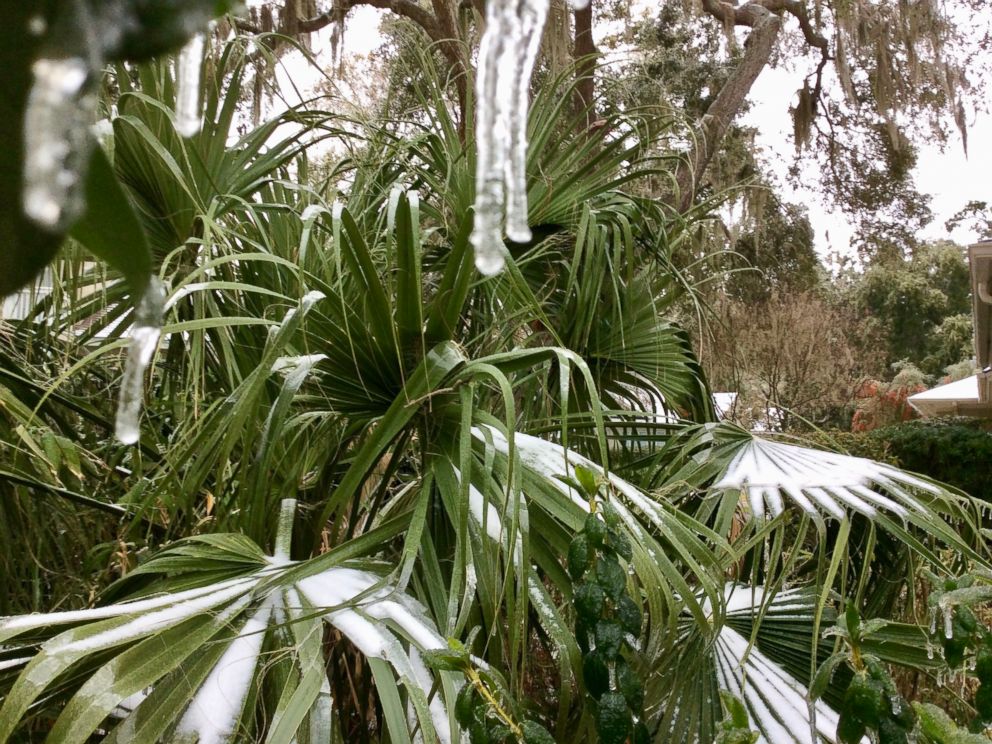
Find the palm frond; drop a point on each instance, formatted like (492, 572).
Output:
(212, 643)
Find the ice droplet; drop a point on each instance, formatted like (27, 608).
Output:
(37, 25)
(188, 67)
(56, 140)
(507, 53)
(144, 340)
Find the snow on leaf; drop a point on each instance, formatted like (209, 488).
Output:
(378, 619)
(776, 701)
(816, 481)
(214, 712)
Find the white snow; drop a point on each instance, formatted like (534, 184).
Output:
(15, 625)
(215, 710)
(816, 480)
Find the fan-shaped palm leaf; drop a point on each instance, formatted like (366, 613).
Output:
(193, 661)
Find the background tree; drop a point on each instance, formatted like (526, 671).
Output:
(795, 358)
(921, 304)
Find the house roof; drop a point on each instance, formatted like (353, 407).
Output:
(971, 396)
(958, 398)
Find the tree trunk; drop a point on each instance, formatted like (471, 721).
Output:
(584, 53)
(714, 125)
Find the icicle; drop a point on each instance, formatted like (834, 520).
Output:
(948, 619)
(933, 620)
(188, 67)
(506, 59)
(532, 18)
(56, 140)
(144, 340)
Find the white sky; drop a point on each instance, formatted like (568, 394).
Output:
(951, 178)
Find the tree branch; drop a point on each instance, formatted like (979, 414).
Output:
(584, 53)
(714, 125)
(764, 18)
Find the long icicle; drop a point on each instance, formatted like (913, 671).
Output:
(532, 16)
(189, 64)
(491, 138)
(144, 340)
(507, 54)
(57, 140)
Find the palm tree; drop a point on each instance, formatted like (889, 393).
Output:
(360, 459)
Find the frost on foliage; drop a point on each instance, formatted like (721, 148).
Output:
(379, 620)
(818, 481)
(144, 335)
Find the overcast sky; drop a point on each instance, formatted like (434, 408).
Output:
(951, 178)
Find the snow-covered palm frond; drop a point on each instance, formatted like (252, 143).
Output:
(758, 667)
(819, 481)
(777, 702)
(195, 664)
(667, 545)
(769, 478)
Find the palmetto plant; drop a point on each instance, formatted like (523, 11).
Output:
(331, 356)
